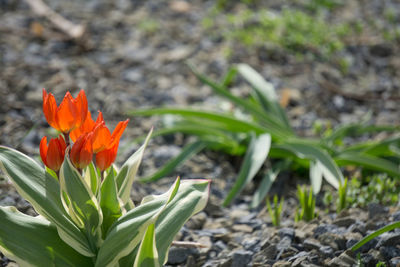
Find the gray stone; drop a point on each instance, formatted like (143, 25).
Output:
(344, 222)
(396, 216)
(241, 258)
(282, 264)
(289, 232)
(395, 261)
(284, 243)
(389, 252)
(179, 255)
(311, 243)
(375, 209)
(388, 239)
(324, 228)
(326, 251)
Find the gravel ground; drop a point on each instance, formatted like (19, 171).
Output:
(137, 59)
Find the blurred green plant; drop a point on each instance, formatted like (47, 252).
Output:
(258, 128)
(297, 30)
(376, 188)
(275, 212)
(307, 205)
(341, 202)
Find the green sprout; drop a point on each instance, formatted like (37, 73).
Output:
(275, 212)
(307, 205)
(342, 199)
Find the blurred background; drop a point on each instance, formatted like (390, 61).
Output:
(329, 59)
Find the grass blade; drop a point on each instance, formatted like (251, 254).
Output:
(222, 121)
(268, 119)
(380, 231)
(368, 162)
(187, 152)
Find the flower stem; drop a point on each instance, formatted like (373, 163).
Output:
(66, 138)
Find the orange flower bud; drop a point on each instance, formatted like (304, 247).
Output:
(70, 114)
(105, 158)
(81, 152)
(53, 155)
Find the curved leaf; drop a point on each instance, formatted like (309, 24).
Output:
(80, 202)
(34, 241)
(255, 157)
(327, 166)
(109, 202)
(187, 152)
(127, 174)
(43, 191)
(369, 162)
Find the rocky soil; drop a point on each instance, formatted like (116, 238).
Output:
(135, 57)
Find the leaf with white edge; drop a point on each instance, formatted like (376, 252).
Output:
(263, 187)
(127, 232)
(330, 170)
(82, 203)
(191, 198)
(43, 191)
(265, 93)
(109, 202)
(34, 241)
(147, 254)
(127, 173)
(255, 157)
(316, 175)
(92, 178)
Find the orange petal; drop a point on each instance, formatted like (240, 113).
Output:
(118, 131)
(81, 152)
(67, 114)
(101, 137)
(86, 127)
(43, 149)
(82, 107)
(55, 156)
(50, 109)
(105, 158)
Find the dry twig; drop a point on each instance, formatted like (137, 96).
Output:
(74, 31)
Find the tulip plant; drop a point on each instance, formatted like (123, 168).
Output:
(86, 216)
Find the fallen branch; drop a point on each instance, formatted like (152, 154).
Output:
(72, 30)
(187, 244)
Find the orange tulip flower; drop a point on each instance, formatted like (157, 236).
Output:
(102, 137)
(105, 158)
(53, 155)
(70, 114)
(86, 127)
(81, 152)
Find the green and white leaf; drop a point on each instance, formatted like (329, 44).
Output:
(79, 200)
(255, 157)
(127, 173)
(172, 212)
(34, 241)
(111, 205)
(147, 254)
(43, 191)
(327, 166)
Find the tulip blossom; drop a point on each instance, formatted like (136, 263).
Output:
(53, 154)
(86, 127)
(105, 158)
(81, 152)
(70, 114)
(102, 137)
